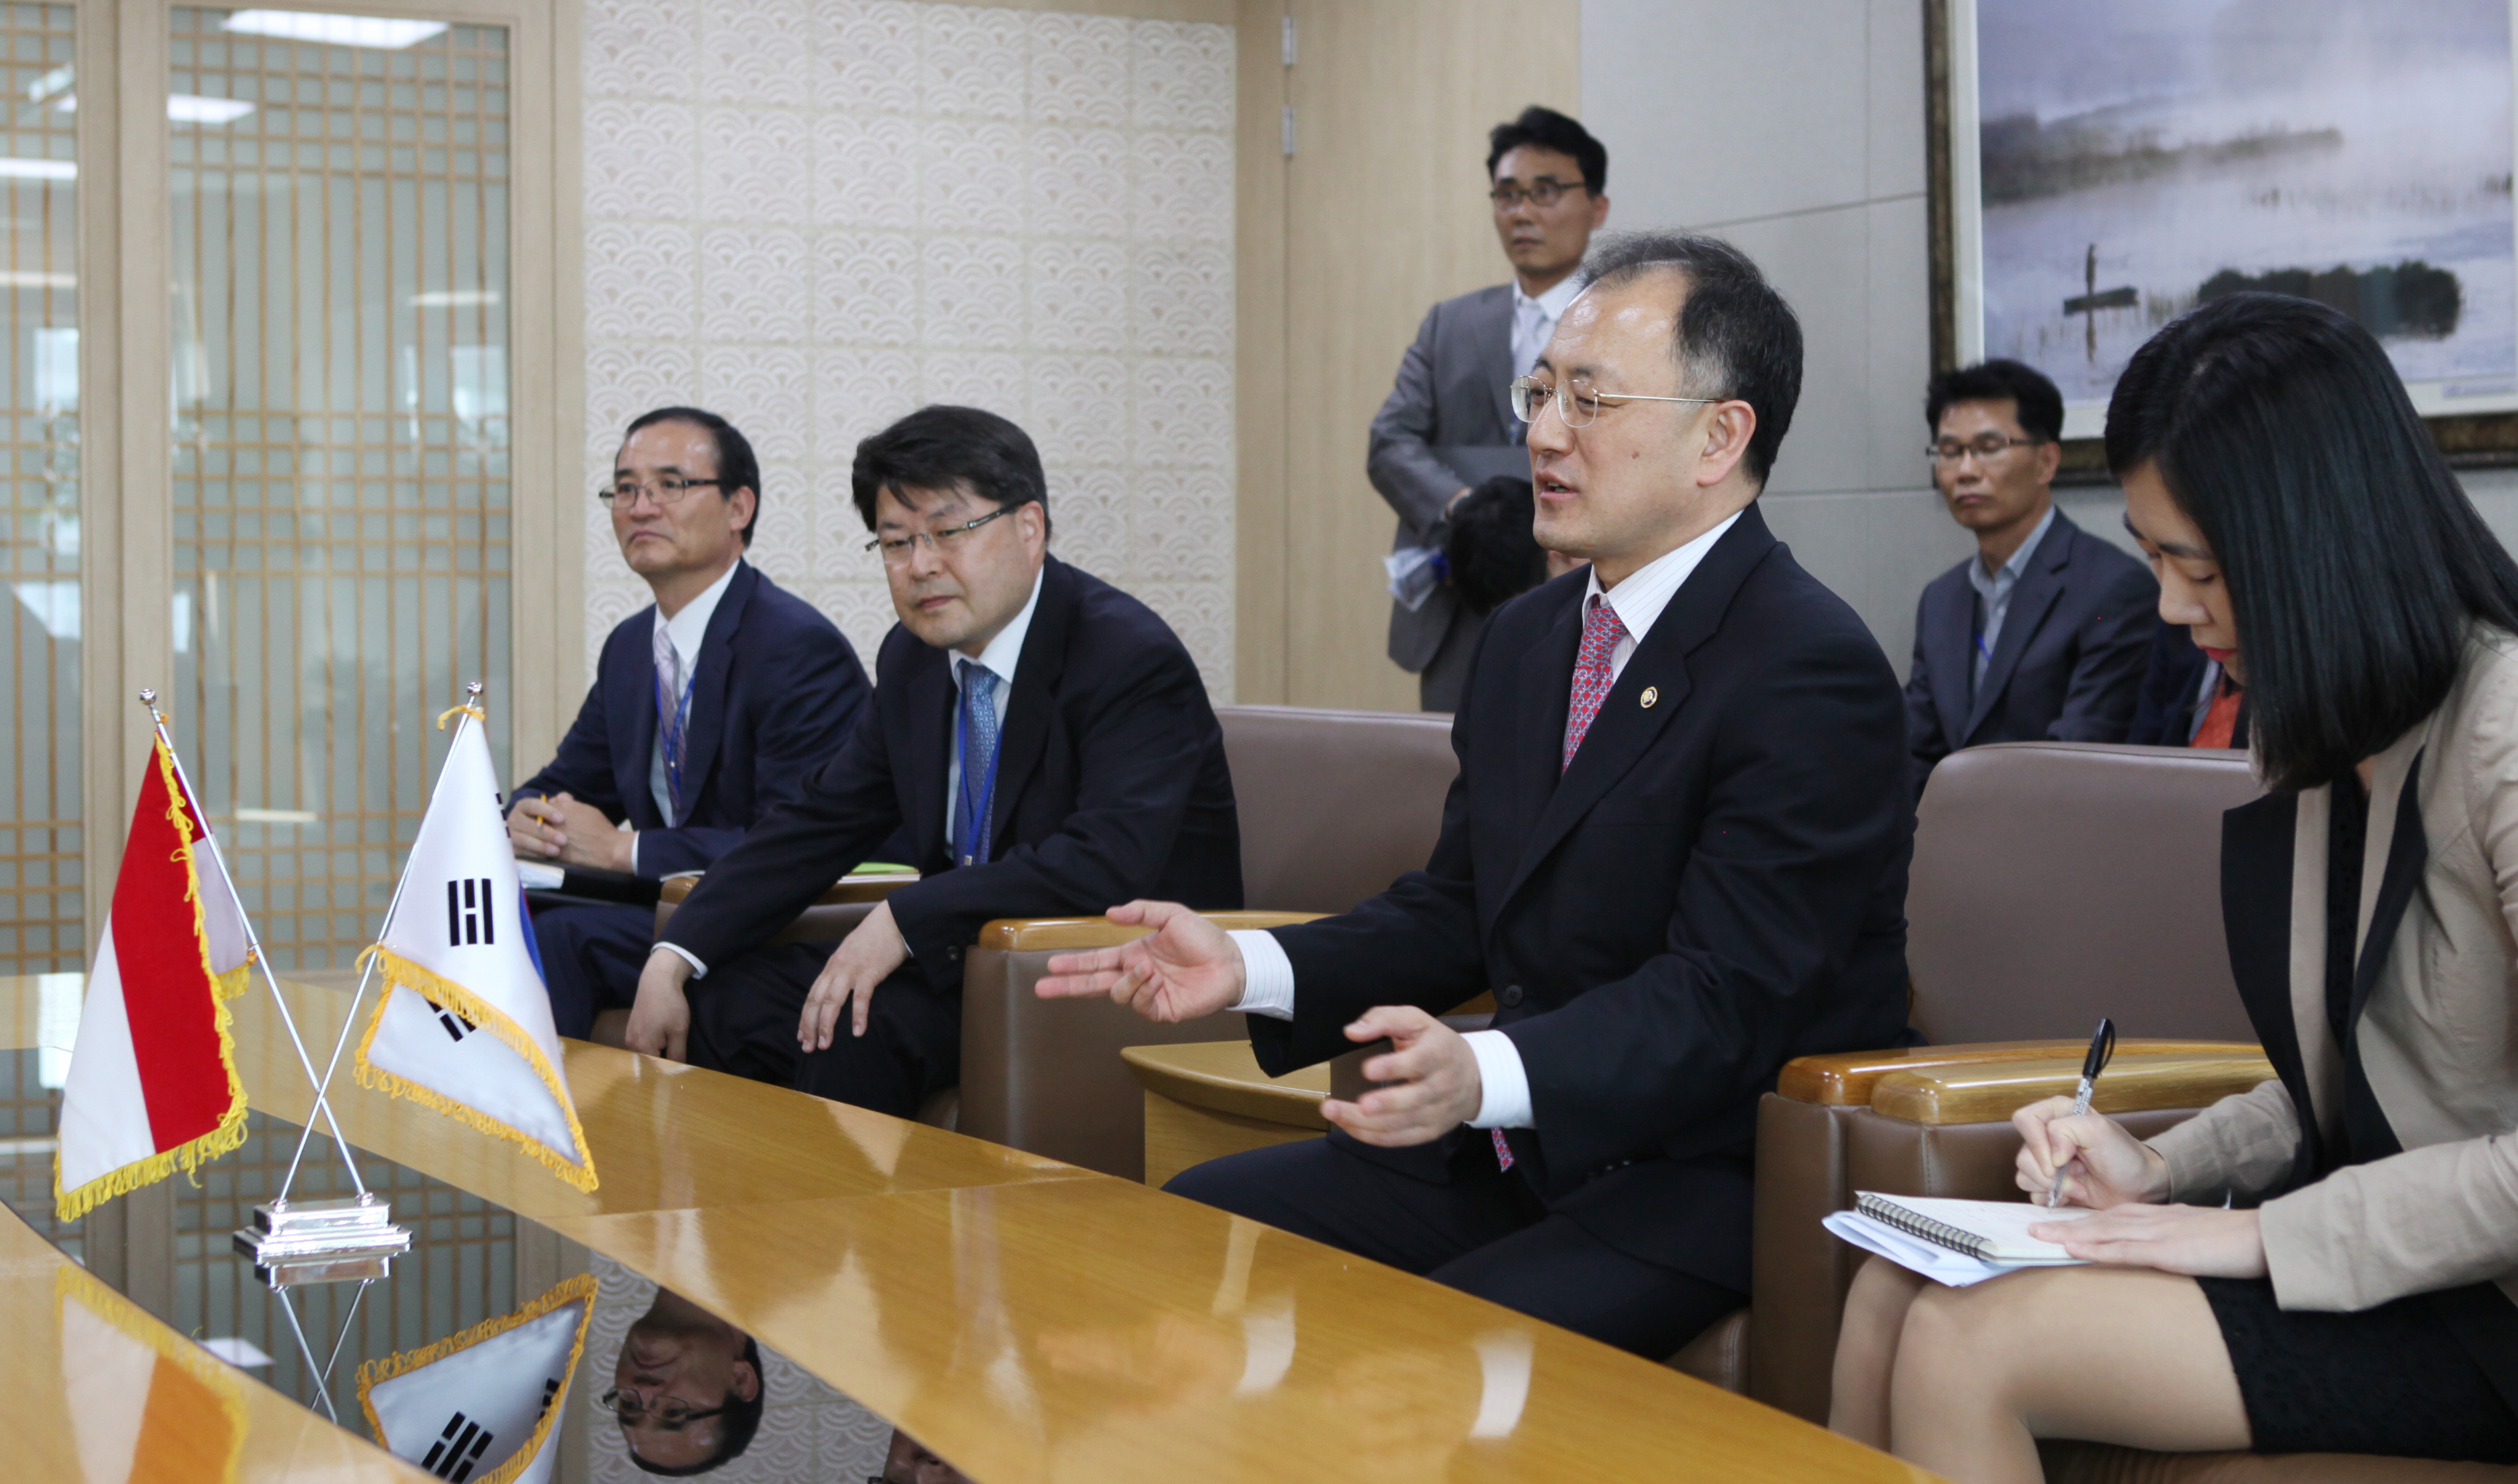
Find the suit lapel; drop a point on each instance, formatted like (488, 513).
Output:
(2040, 586)
(1034, 698)
(1626, 729)
(2270, 906)
(1948, 618)
(1543, 691)
(930, 710)
(630, 709)
(2397, 797)
(1499, 363)
(707, 725)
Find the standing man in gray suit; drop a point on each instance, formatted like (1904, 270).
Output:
(1447, 425)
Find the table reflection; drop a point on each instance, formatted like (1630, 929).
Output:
(686, 1389)
(909, 1463)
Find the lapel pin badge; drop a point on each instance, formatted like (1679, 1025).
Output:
(1652, 693)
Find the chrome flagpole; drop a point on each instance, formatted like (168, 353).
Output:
(255, 956)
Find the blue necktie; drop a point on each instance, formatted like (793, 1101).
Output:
(978, 732)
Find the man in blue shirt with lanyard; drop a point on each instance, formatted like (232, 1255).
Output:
(707, 708)
(1040, 740)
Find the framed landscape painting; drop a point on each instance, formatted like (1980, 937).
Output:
(2099, 169)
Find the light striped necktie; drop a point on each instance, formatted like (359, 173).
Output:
(672, 712)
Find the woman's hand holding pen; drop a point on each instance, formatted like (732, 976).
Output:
(2103, 1165)
(2126, 1181)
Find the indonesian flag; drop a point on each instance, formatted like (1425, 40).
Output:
(466, 1025)
(153, 1083)
(145, 1403)
(480, 1407)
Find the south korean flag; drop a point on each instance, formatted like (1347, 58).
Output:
(482, 1407)
(466, 1025)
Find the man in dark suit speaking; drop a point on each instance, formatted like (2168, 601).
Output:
(1041, 739)
(1676, 851)
(1446, 428)
(707, 708)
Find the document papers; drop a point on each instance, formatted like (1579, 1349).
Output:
(1954, 1242)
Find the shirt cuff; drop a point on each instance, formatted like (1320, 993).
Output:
(1503, 1099)
(698, 969)
(1267, 976)
(633, 850)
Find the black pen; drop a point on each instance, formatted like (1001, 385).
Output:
(2102, 1048)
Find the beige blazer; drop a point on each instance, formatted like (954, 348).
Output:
(2438, 1033)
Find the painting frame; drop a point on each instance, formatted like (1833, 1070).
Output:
(2480, 439)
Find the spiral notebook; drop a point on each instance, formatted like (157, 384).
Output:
(1994, 1232)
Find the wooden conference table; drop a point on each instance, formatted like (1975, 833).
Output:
(1027, 1320)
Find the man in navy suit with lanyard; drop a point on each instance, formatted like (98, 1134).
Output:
(1040, 740)
(1675, 852)
(707, 708)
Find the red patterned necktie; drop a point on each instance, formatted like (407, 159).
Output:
(1601, 631)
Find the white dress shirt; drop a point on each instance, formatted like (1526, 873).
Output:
(687, 629)
(1994, 592)
(1535, 319)
(1504, 1100)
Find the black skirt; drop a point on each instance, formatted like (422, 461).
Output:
(2390, 1380)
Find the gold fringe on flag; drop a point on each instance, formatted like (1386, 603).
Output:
(447, 994)
(373, 1374)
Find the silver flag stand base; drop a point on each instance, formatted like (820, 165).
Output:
(294, 1243)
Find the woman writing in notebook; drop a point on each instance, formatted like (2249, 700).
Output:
(2324, 1263)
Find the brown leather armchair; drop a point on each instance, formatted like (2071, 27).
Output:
(2052, 882)
(1334, 805)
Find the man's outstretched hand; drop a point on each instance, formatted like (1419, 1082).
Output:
(1186, 968)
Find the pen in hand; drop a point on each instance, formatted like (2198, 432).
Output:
(2102, 1048)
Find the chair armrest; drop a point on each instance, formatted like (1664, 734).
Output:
(1845, 1078)
(1990, 1092)
(1065, 935)
(847, 891)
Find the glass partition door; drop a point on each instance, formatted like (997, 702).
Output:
(341, 515)
(42, 920)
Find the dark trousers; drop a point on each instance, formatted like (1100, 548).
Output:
(743, 1020)
(1483, 1233)
(591, 954)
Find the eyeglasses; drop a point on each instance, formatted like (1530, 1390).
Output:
(1577, 402)
(895, 550)
(1986, 448)
(665, 493)
(1542, 192)
(669, 1414)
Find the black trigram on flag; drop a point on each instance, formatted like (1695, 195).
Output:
(468, 918)
(457, 1027)
(458, 1449)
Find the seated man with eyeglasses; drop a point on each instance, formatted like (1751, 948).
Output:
(2043, 634)
(1041, 740)
(708, 707)
(685, 1389)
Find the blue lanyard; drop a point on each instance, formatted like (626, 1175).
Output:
(974, 809)
(672, 736)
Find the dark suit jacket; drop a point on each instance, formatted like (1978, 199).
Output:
(1715, 886)
(2066, 668)
(1110, 785)
(1447, 423)
(776, 689)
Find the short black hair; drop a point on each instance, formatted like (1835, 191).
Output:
(1737, 338)
(737, 1424)
(736, 466)
(2356, 565)
(2040, 405)
(1493, 553)
(939, 447)
(1551, 130)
